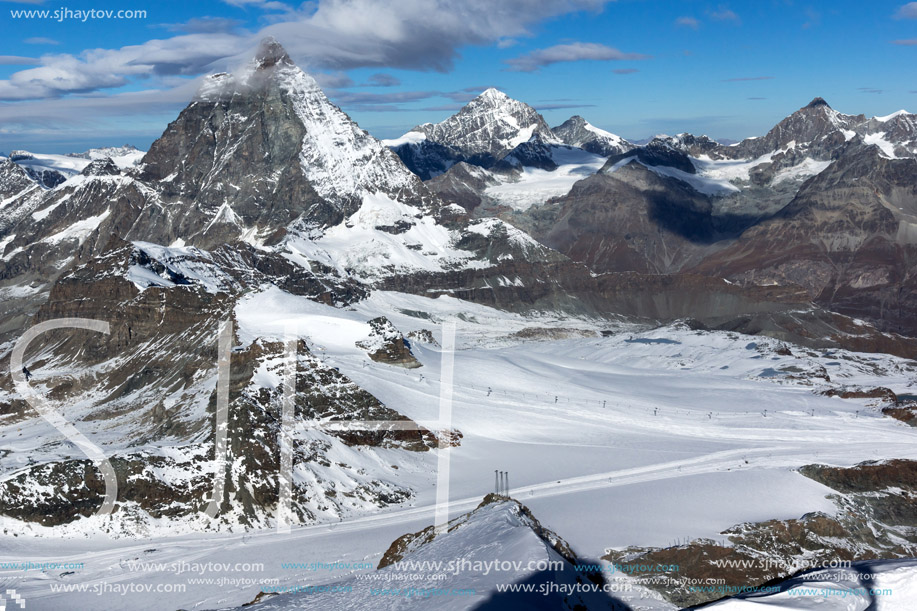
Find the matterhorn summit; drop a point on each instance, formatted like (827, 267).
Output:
(267, 143)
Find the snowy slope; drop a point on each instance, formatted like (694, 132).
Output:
(882, 585)
(70, 165)
(612, 425)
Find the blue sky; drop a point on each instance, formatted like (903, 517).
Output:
(634, 67)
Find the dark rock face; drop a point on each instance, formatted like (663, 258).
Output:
(427, 159)
(101, 167)
(636, 220)
(657, 153)
(46, 177)
(462, 184)
(534, 153)
(860, 207)
(13, 179)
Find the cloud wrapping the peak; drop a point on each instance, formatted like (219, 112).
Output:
(331, 35)
(572, 52)
(411, 34)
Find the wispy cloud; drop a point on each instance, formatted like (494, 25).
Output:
(95, 69)
(688, 22)
(625, 71)
(572, 52)
(562, 106)
(266, 5)
(331, 35)
(907, 42)
(204, 25)
(813, 18)
(747, 78)
(444, 107)
(333, 80)
(17, 60)
(724, 13)
(40, 40)
(382, 80)
(869, 90)
(908, 11)
(757, 98)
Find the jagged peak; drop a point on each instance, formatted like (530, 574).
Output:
(494, 99)
(576, 120)
(492, 93)
(269, 62)
(101, 167)
(815, 103)
(270, 52)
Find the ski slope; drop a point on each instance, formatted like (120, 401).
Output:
(639, 437)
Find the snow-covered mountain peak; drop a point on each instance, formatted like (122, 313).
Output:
(576, 131)
(494, 94)
(894, 115)
(490, 126)
(502, 107)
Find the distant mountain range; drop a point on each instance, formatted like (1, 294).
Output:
(824, 201)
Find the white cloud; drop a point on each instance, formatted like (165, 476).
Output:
(17, 60)
(725, 14)
(908, 11)
(688, 22)
(335, 35)
(40, 40)
(569, 53)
